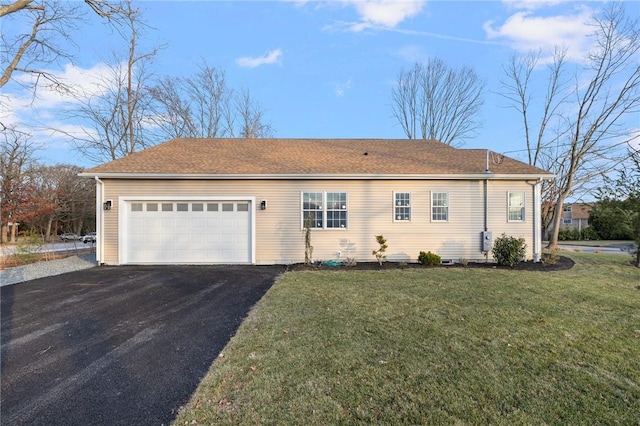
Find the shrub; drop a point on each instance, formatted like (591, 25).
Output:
(379, 253)
(550, 258)
(507, 251)
(589, 234)
(464, 262)
(29, 249)
(429, 259)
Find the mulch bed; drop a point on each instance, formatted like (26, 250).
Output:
(563, 264)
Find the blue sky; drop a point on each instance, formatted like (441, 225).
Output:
(325, 69)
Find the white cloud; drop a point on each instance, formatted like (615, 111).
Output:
(380, 14)
(272, 57)
(525, 31)
(531, 4)
(78, 81)
(342, 88)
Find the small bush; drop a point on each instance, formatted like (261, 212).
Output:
(379, 253)
(551, 258)
(464, 262)
(429, 259)
(507, 251)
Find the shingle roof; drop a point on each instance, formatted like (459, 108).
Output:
(373, 157)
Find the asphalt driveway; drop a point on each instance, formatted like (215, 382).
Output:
(118, 345)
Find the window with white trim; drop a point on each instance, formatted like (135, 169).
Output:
(567, 221)
(402, 206)
(439, 206)
(325, 210)
(516, 207)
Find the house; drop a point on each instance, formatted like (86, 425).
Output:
(575, 216)
(246, 200)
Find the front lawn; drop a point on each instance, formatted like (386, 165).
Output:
(434, 346)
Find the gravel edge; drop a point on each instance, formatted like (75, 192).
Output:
(37, 270)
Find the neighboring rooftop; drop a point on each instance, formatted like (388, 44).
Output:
(371, 157)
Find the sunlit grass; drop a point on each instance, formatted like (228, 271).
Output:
(435, 346)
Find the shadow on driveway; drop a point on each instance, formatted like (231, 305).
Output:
(118, 345)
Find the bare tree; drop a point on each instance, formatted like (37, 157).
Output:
(42, 29)
(72, 199)
(203, 105)
(251, 117)
(433, 101)
(584, 122)
(118, 113)
(16, 164)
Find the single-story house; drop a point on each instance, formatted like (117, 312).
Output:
(194, 201)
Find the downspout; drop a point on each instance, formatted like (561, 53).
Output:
(99, 220)
(486, 210)
(537, 221)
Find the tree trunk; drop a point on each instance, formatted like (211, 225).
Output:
(5, 233)
(47, 232)
(14, 227)
(555, 222)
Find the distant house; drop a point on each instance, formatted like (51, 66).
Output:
(197, 201)
(575, 216)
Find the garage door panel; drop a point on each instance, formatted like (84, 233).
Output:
(178, 232)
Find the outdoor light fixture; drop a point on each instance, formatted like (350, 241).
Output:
(106, 205)
(263, 205)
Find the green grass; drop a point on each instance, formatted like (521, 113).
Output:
(435, 346)
(597, 243)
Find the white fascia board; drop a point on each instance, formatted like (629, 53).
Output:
(186, 176)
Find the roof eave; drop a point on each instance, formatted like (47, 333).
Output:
(317, 176)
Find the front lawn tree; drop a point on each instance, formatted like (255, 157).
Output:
(434, 101)
(586, 116)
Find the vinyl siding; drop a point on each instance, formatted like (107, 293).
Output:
(279, 233)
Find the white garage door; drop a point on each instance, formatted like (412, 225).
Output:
(187, 232)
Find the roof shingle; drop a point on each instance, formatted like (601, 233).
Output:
(380, 157)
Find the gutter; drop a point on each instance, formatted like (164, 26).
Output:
(315, 176)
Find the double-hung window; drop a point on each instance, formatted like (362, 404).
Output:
(439, 206)
(516, 207)
(324, 210)
(402, 206)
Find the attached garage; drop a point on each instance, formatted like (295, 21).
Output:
(186, 231)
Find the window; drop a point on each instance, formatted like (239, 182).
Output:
(212, 207)
(167, 207)
(324, 210)
(567, 209)
(336, 209)
(196, 207)
(136, 207)
(152, 207)
(439, 206)
(516, 207)
(566, 221)
(243, 207)
(402, 206)
(182, 207)
(227, 207)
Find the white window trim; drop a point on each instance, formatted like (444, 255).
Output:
(524, 206)
(324, 211)
(432, 206)
(393, 211)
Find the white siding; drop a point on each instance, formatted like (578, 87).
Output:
(278, 229)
